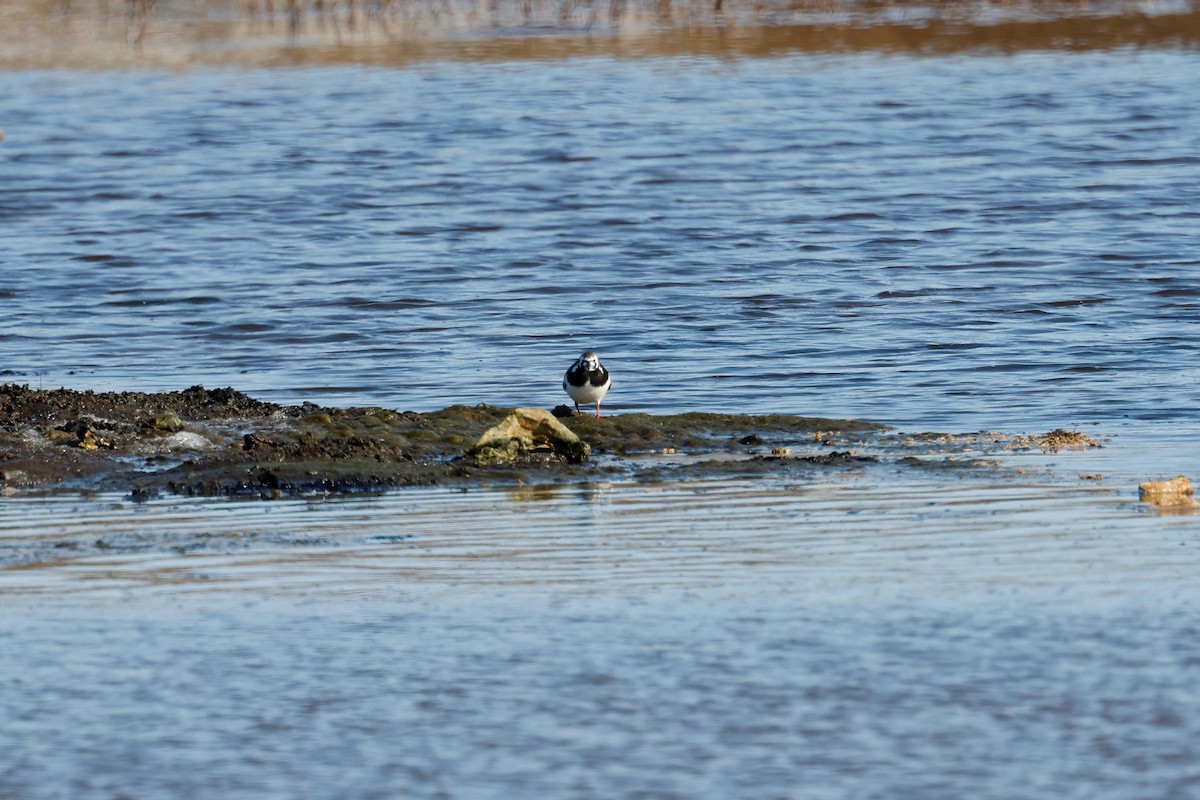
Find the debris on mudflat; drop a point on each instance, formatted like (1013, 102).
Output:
(1175, 494)
(1055, 440)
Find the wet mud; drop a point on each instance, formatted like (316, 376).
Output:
(216, 442)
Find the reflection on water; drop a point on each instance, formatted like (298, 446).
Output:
(836, 538)
(1032, 520)
(670, 697)
(1022, 636)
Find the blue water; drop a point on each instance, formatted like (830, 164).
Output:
(967, 241)
(952, 242)
(595, 699)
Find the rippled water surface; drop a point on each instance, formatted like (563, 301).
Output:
(1028, 634)
(962, 241)
(969, 240)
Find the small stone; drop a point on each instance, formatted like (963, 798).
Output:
(1175, 493)
(1059, 439)
(257, 441)
(90, 440)
(184, 440)
(61, 436)
(781, 451)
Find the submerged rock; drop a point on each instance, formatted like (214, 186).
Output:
(525, 433)
(1174, 494)
(185, 440)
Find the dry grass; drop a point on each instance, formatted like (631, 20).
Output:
(1173, 494)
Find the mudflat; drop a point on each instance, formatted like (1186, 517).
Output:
(221, 441)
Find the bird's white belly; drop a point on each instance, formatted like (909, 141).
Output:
(588, 393)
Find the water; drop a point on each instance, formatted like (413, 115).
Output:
(1025, 634)
(587, 700)
(962, 241)
(959, 242)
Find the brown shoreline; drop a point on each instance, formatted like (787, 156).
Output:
(38, 35)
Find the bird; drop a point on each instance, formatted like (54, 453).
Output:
(587, 381)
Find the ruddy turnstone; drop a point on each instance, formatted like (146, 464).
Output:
(587, 381)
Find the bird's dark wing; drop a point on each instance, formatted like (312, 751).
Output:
(576, 376)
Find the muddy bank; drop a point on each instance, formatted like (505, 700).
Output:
(222, 442)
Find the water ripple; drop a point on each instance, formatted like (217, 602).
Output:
(921, 239)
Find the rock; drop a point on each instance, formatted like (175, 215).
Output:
(1174, 494)
(140, 495)
(185, 440)
(63, 436)
(90, 440)
(166, 422)
(528, 432)
(1059, 439)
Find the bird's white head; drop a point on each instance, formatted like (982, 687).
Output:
(590, 361)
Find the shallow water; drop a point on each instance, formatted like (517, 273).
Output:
(1025, 634)
(959, 242)
(586, 699)
(968, 241)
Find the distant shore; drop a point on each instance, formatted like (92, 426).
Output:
(91, 34)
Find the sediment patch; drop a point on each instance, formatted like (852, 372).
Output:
(223, 442)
